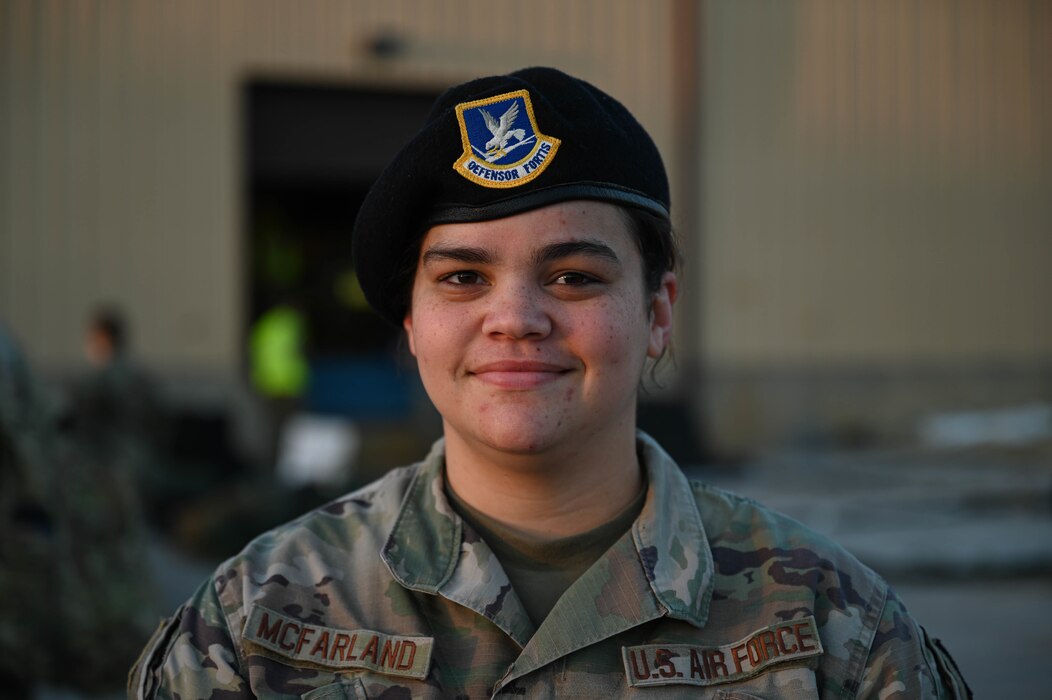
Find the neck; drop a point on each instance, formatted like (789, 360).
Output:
(549, 495)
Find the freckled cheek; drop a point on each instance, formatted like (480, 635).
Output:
(439, 342)
(609, 342)
(619, 318)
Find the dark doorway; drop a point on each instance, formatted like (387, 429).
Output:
(312, 151)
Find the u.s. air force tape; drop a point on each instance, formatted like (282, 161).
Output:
(663, 664)
(285, 638)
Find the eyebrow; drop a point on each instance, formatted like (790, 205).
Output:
(590, 248)
(547, 254)
(464, 254)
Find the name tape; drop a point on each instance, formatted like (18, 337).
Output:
(330, 648)
(664, 664)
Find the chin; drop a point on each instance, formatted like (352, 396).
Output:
(519, 443)
(517, 438)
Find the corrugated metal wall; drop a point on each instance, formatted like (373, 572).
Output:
(878, 182)
(120, 133)
(874, 189)
(878, 214)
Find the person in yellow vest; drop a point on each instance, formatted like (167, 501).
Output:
(278, 368)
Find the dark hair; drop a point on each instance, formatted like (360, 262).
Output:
(110, 322)
(656, 242)
(405, 274)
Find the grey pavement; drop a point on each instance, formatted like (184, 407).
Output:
(911, 513)
(996, 629)
(964, 537)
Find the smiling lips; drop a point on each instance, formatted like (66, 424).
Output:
(518, 374)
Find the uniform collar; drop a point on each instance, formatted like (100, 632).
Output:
(430, 550)
(424, 545)
(670, 538)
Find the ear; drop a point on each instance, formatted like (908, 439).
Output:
(661, 304)
(407, 324)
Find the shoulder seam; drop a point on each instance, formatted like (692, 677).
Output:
(697, 486)
(234, 638)
(857, 669)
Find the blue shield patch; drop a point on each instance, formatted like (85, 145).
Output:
(502, 145)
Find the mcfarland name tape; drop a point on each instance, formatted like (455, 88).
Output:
(315, 646)
(663, 664)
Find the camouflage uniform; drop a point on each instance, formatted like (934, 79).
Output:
(387, 593)
(27, 533)
(75, 602)
(117, 418)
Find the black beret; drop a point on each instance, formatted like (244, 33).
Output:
(494, 147)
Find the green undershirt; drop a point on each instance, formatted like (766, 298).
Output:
(540, 570)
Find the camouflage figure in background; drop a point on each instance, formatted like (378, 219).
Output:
(27, 478)
(544, 548)
(75, 602)
(116, 412)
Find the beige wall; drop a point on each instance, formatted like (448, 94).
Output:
(874, 184)
(120, 128)
(878, 182)
(877, 214)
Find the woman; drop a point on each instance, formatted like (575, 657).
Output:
(544, 548)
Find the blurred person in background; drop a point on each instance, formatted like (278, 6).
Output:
(279, 370)
(117, 403)
(116, 412)
(76, 598)
(545, 547)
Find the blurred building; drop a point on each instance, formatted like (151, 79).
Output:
(864, 190)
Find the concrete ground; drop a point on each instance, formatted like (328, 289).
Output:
(964, 537)
(915, 514)
(997, 630)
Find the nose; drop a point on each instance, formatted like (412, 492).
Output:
(517, 311)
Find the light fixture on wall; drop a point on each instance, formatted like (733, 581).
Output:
(386, 44)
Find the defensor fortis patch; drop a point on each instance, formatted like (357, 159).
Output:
(502, 145)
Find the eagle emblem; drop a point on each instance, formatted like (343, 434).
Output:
(502, 131)
(502, 152)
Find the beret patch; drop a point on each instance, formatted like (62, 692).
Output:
(502, 145)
